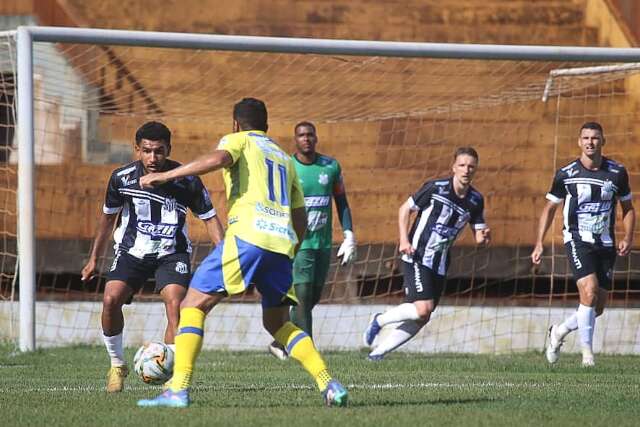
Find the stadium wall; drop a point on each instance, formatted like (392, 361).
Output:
(492, 330)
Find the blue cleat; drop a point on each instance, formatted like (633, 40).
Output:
(375, 357)
(372, 330)
(169, 399)
(335, 394)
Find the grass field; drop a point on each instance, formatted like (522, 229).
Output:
(64, 387)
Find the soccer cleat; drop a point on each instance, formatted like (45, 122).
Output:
(553, 348)
(373, 329)
(588, 360)
(375, 357)
(335, 394)
(115, 378)
(278, 351)
(169, 399)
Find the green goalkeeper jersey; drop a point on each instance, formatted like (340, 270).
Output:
(320, 181)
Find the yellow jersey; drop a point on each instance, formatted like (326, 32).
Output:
(262, 188)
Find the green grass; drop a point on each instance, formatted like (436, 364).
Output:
(63, 387)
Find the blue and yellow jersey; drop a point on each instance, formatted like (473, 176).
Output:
(262, 188)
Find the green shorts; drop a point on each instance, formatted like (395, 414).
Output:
(311, 266)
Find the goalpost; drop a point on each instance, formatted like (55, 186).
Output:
(392, 113)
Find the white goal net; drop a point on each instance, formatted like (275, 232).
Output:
(392, 123)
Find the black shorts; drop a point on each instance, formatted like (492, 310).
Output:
(170, 269)
(421, 283)
(585, 258)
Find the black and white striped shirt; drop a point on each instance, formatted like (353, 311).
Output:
(441, 217)
(153, 222)
(590, 200)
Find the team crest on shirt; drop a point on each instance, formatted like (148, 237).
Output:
(443, 191)
(170, 204)
(323, 179)
(463, 219)
(607, 190)
(181, 267)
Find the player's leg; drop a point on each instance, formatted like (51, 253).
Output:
(303, 275)
(273, 280)
(422, 290)
(173, 275)
(116, 294)
(586, 315)
(172, 295)
(125, 277)
(310, 270)
(404, 330)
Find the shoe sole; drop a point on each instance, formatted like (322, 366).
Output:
(152, 404)
(365, 341)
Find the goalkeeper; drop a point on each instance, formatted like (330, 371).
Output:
(321, 179)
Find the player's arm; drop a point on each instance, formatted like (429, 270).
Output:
(299, 220)
(348, 247)
(404, 218)
(628, 224)
(214, 229)
(481, 231)
(206, 163)
(105, 226)
(482, 236)
(543, 226)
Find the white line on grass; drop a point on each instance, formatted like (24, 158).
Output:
(270, 387)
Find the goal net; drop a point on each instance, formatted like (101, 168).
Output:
(391, 122)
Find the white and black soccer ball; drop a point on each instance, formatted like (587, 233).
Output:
(153, 363)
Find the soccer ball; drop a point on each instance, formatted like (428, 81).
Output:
(153, 363)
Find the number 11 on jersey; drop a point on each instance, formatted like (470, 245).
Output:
(282, 174)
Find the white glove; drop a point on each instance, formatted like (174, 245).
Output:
(348, 248)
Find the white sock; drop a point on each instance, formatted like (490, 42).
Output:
(400, 335)
(586, 321)
(115, 349)
(400, 313)
(570, 324)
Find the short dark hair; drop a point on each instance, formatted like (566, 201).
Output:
(593, 125)
(153, 131)
(251, 113)
(305, 123)
(469, 151)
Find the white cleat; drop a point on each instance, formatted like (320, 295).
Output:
(554, 344)
(588, 360)
(278, 351)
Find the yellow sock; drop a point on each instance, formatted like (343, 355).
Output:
(188, 346)
(300, 346)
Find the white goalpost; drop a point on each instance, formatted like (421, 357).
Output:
(391, 112)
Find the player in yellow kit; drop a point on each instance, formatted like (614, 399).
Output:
(266, 222)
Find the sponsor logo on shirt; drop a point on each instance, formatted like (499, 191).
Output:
(274, 228)
(317, 201)
(574, 256)
(271, 211)
(127, 180)
(167, 231)
(445, 231)
(594, 207)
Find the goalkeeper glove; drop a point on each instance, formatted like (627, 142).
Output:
(348, 248)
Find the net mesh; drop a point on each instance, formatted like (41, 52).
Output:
(392, 123)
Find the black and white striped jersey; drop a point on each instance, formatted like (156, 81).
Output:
(153, 222)
(590, 200)
(441, 217)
